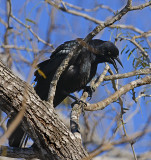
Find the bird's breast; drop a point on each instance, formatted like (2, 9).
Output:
(73, 80)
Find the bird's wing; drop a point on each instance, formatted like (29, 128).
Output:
(95, 43)
(56, 57)
(48, 68)
(64, 48)
(44, 75)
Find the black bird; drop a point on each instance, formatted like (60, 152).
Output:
(79, 72)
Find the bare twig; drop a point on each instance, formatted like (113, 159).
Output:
(141, 6)
(95, 83)
(101, 105)
(18, 48)
(129, 74)
(89, 10)
(110, 145)
(27, 153)
(121, 116)
(96, 20)
(133, 40)
(30, 29)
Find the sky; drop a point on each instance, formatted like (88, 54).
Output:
(68, 27)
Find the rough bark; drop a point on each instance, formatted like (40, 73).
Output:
(40, 121)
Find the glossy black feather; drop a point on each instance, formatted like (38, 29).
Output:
(17, 136)
(79, 72)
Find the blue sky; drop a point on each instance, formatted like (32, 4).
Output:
(69, 27)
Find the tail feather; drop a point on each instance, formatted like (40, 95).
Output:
(43, 79)
(42, 88)
(17, 136)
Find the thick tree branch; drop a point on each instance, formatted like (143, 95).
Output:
(51, 136)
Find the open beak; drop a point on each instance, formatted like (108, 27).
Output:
(112, 61)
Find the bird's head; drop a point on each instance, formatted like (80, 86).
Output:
(108, 52)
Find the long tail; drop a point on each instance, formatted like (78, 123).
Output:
(43, 78)
(17, 137)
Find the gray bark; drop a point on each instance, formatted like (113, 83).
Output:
(53, 139)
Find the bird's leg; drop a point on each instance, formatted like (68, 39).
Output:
(77, 100)
(89, 90)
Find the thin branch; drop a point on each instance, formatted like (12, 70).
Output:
(99, 22)
(4, 23)
(121, 116)
(142, 95)
(27, 153)
(144, 34)
(142, 6)
(96, 82)
(30, 29)
(109, 22)
(7, 51)
(139, 46)
(18, 48)
(101, 105)
(129, 3)
(89, 10)
(129, 74)
(110, 145)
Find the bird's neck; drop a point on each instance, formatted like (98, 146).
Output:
(100, 59)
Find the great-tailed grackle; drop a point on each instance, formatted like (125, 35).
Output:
(79, 72)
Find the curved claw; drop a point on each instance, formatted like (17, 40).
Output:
(78, 101)
(90, 91)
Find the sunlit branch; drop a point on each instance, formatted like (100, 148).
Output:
(129, 74)
(104, 103)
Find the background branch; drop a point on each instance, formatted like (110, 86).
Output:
(101, 105)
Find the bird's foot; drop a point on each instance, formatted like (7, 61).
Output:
(81, 103)
(89, 90)
(77, 101)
